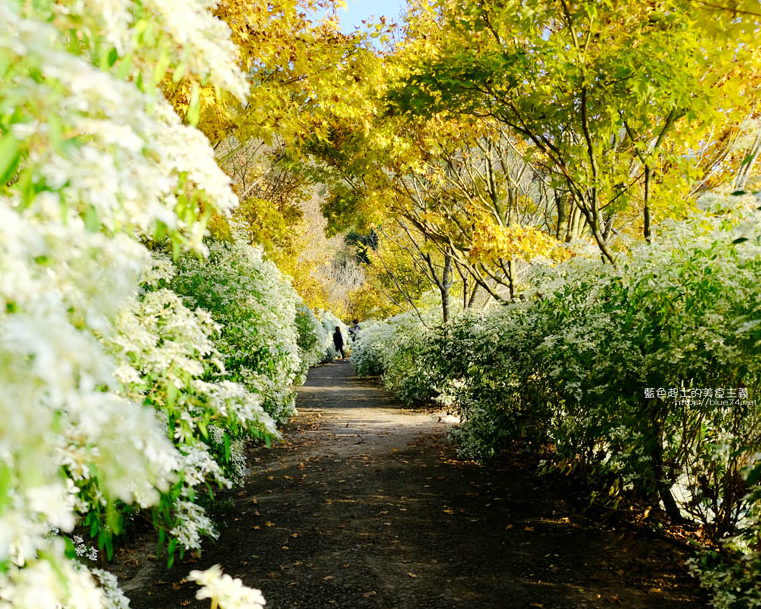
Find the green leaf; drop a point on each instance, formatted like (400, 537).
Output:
(5, 485)
(113, 55)
(171, 395)
(92, 222)
(9, 157)
(194, 108)
(171, 550)
(70, 550)
(160, 231)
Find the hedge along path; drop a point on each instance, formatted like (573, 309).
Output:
(365, 506)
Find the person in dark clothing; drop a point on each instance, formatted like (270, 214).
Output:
(338, 342)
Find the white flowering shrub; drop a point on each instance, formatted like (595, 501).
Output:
(368, 349)
(168, 360)
(621, 371)
(255, 306)
(312, 338)
(395, 348)
(105, 388)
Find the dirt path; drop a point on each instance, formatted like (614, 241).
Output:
(364, 506)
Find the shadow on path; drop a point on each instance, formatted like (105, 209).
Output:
(365, 506)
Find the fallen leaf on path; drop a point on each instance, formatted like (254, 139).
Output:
(284, 548)
(327, 578)
(528, 528)
(294, 535)
(411, 574)
(269, 524)
(369, 594)
(536, 605)
(347, 565)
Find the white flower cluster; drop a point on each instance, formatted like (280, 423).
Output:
(224, 591)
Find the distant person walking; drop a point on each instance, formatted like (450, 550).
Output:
(338, 342)
(354, 330)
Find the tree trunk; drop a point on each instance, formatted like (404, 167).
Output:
(563, 216)
(444, 285)
(511, 278)
(646, 219)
